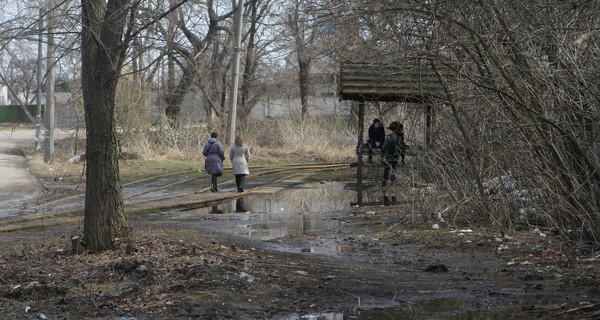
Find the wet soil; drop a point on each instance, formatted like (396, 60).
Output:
(368, 263)
(17, 185)
(346, 262)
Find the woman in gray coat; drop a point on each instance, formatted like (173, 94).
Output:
(239, 156)
(215, 154)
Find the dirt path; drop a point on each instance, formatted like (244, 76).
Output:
(17, 185)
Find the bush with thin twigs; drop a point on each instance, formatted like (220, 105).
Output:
(516, 126)
(503, 173)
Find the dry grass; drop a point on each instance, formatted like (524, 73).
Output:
(287, 139)
(163, 149)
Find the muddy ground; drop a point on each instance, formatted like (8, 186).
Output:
(382, 266)
(378, 262)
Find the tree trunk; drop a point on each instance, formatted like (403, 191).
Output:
(249, 76)
(102, 57)
(174, 96)
(192, 57)
(303, 70)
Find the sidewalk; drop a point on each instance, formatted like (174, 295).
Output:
(17, 186)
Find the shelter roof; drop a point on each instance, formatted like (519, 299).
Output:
(410, 81)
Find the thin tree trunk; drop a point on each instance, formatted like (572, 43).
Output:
(249, 65)
(303, 70)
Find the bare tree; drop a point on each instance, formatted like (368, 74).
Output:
(108, 31)
(17, 57)
(302, 31)
(252, 88)
(188, 58)
(103, 52)
(524, 60)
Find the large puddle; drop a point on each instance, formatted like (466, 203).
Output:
(307, 208)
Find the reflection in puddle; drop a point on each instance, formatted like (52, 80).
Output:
(454, 309)
(239, 207)
(289, 225)
(440, 309)
(305, 209)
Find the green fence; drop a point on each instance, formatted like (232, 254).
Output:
(14, 114)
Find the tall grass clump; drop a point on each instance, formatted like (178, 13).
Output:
(313, 139)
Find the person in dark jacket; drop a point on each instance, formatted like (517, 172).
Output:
(393, 151)
(376, 137)
(215, 154)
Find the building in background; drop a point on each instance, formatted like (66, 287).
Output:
(4, 95)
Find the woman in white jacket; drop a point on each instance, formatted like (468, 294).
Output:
(239, 156)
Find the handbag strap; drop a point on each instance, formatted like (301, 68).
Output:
(212, 144)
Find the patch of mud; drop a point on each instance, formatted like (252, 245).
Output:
(318, 258)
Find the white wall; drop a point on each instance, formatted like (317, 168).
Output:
(326, 106)
(4, 95)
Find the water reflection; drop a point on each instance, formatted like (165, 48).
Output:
(307, 208)
(304, 209)
(240, 206)
(315, 209)
(444, 308)
(374, 197)
(457, 309)
(294, 201)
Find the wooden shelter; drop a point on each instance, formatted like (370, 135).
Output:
(414, 81)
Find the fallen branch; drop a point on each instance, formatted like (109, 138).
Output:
(587, 306)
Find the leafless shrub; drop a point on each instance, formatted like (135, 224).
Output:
(526, 108)
(323, 138)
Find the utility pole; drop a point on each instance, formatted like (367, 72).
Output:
(38, 95)
(235, 69)
(49, 114)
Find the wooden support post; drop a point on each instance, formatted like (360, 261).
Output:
(361, 126)
(428, 124)
(427, 173)
(359, 196)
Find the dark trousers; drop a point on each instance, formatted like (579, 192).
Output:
(371, 144)
(372, 147)
(386, 171)
(240, 206)
(239, 182)
(214, 186)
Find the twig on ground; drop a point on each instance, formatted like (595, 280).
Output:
(199, 247)
(350, 294)
(587, 306)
